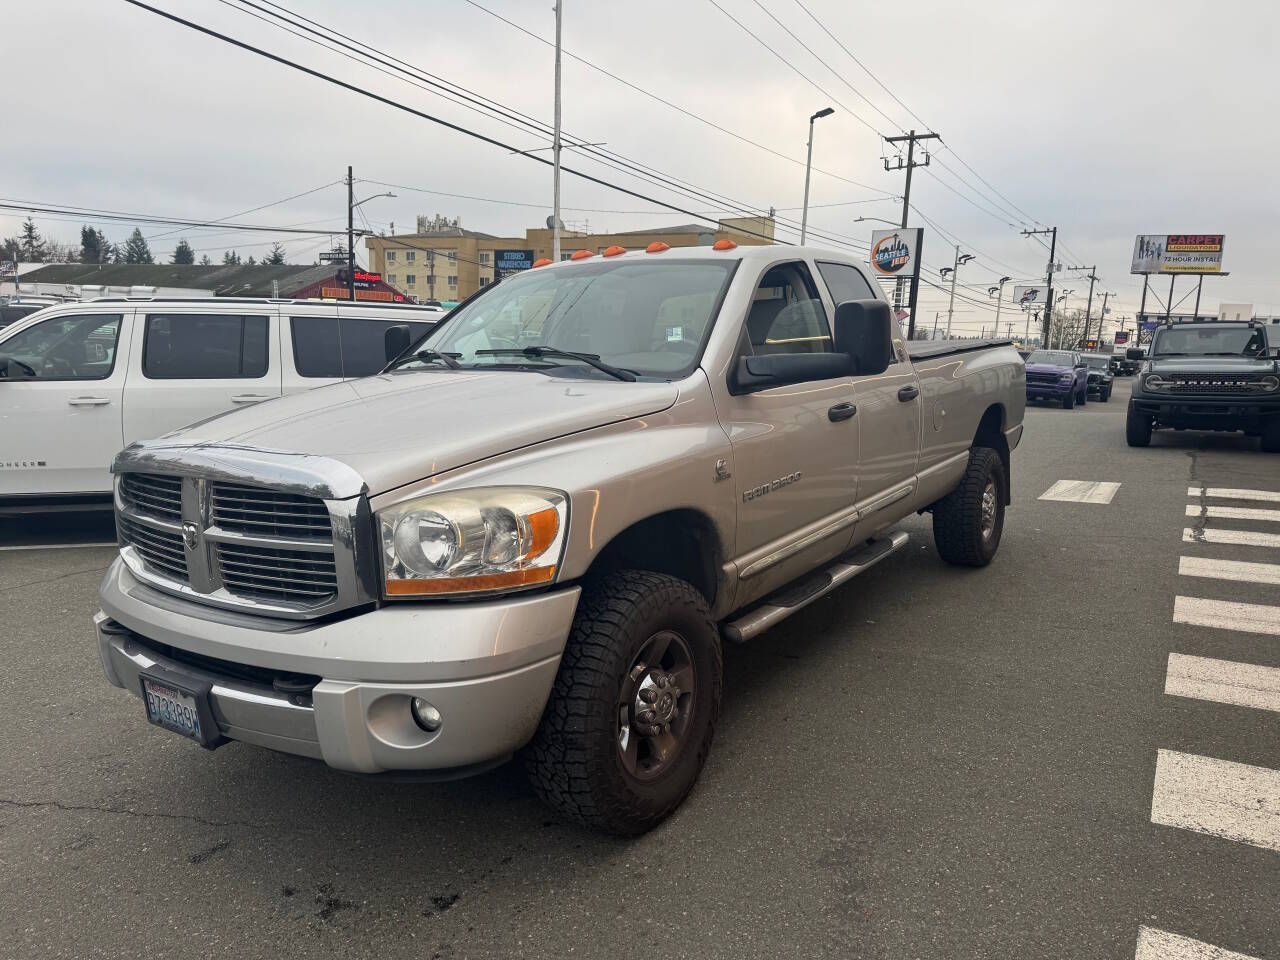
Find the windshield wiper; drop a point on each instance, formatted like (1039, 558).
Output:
(539, 352)
(450, 360)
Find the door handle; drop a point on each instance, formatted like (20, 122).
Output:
(88, 401)
(908, 393)
(249, 398)
(841, 411)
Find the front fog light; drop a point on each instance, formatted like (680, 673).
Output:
(425, 715)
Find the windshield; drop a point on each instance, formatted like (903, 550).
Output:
(649, 318)
(1098, 363)
(1058, 358)
(1210, 341)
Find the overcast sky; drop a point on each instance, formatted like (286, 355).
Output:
(1105, 119)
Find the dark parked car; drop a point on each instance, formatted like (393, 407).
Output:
(1059, 375)
(1208, 375)
(1101, 379)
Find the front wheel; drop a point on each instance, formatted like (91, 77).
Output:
(1106, 395)
(1084, 396)
(968, 522)
(1069, 401)
(1271, 436)
(1137, 428)
(630, 718)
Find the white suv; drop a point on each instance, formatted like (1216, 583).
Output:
(80, 382)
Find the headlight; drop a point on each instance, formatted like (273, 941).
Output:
(1066, 378)
(472, 541)
(1153, 381)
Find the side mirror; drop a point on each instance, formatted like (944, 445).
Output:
(753, 374)
(864, 331)
(395, 341)
(1134, 353)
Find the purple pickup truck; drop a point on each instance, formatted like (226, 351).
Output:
(1059, 375)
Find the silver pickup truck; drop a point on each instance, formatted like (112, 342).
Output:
(533, 530)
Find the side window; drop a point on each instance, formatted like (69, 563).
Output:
(356, 349)
(845, 282)
(786, 315)
(78, 347)
(197, 346)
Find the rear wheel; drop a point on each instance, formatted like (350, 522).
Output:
(968, 522)
(1137, 428)
(634, 707)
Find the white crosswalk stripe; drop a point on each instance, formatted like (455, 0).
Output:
(1156, 944)
(1234, 801)
(1223, 681)
(1234, 493)
(1227, 615)
(1231, 513)
(1242, 538)
(1241, 570)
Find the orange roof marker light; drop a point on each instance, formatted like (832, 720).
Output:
(544, 262)
(615, 251)
(723, 245)
(581, 254)
(657, 247)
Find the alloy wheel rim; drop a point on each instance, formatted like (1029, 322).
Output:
(655, 705)
(989, 505)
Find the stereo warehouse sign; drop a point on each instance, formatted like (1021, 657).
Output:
(1178, 253)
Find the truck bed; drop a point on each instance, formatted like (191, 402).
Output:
(928, 349)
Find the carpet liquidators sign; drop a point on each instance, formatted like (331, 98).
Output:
(1178, 253)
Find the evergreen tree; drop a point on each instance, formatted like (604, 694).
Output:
(251, 262)
(10, 249)
(231, 258)
(276, 257)
(183, 253)
(136, 249)
(31, 243)
(204, 260)
(91, 243)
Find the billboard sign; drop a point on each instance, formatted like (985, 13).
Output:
(504, 260)
(895, 253)
(8, 268)
(1177, 253)
(1033, 295)
(1122, 336)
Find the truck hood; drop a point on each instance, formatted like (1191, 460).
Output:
(1231, 366)
(401, 427)
(1049, 368)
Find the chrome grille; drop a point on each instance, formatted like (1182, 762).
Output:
(256, 511)
(161, 550)
(266, 573)
(157, 495)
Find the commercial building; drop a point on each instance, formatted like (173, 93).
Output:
(443, 261)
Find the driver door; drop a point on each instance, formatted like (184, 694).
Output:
(61, 399)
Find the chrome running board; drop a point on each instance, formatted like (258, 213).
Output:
(778, 606)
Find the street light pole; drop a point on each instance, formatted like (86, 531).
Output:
(999, 300)
(555, 150)
(808, 168)
(351, 238)
(953, 270)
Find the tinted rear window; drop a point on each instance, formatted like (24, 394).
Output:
(195, 346)
(356, 349)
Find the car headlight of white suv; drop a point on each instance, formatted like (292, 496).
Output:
(482, 540)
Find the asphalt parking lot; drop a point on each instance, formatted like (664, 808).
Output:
(930, 763)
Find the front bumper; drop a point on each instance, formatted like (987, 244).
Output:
(487, 667)
(1036, 391)
(1207, 413)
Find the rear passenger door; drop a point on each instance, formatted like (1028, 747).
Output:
(888, 406)
(326, 348)
(191, 365)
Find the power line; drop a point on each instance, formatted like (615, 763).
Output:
(94, 213)
(274, 203)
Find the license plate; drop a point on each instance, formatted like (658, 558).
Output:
(173, 709)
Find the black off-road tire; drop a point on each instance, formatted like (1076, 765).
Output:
(1137, 428)
(958, 517)
(1106, 395)
(1069, 401)
(573, 761)
(1270, 436)
(1084, 396)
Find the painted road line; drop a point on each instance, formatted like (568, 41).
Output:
(1232, 493)
(1229, 570)
(1227, 615)
(1156, 944)
(1234, 801)
(1081, 491)
(1242, 538)
(1231, 513)
(1223, 681)
(59, 546)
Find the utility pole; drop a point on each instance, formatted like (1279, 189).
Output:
(1102, 318)
(1088, 310)
(1048, 300)
(555, 149)
(351, 237)
(910, 165)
